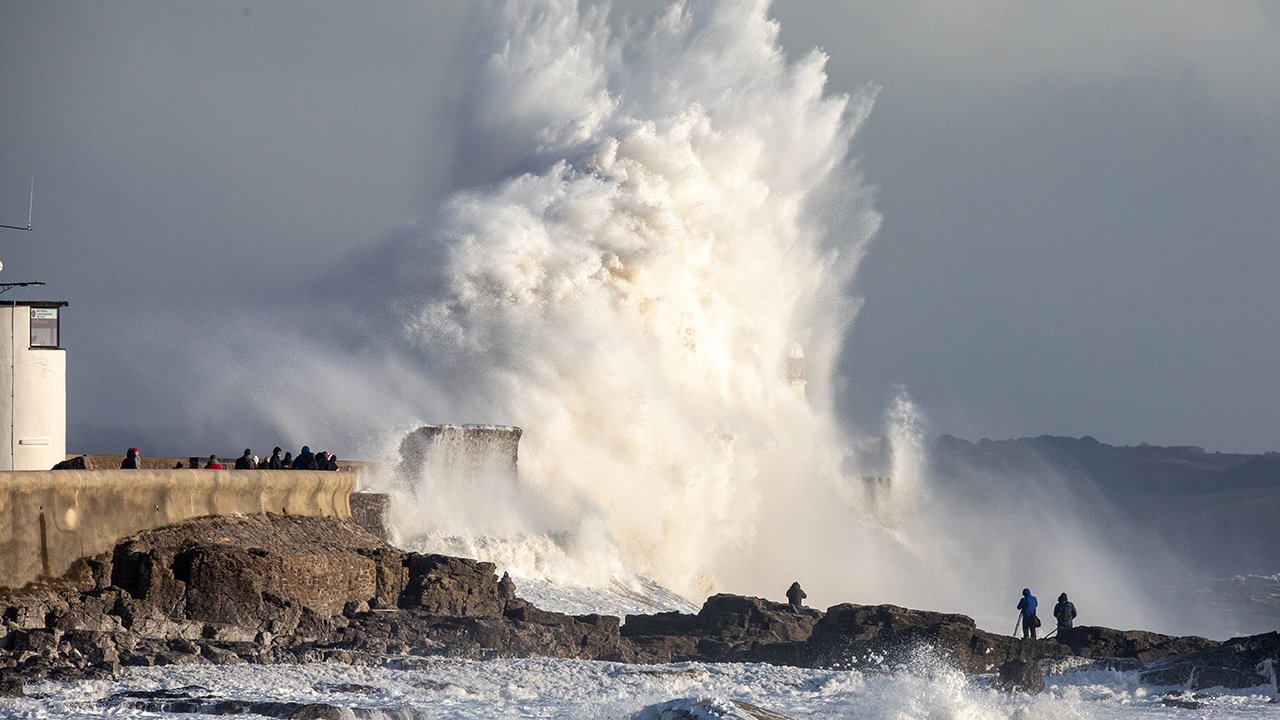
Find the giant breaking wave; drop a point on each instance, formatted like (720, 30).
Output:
(686, 217)
(658, 217)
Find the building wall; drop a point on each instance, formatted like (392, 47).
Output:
(33, 396)
(48, 519)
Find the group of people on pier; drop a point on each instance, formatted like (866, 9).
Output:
(279, 460)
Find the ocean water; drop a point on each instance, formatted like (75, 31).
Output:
(542, 688)
(666, 239)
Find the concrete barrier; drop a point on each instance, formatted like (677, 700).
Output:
(48, 519)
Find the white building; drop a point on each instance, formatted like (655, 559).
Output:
(33, 385)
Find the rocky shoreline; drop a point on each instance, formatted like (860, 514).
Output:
(287, 589)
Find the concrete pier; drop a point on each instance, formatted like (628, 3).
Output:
(48, 519)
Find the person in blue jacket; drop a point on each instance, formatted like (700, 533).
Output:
(1027, 610)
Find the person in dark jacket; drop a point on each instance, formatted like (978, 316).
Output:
(275, 462)
(796, 596)
(1065, 612)
(245, 461)
(331, 463)
(1027, 611)
(306, 460)
(287, 463)
(131, 461)
(506, 587)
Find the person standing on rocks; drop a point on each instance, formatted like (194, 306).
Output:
(506, 587)
(1027, 613)
(796, 596)
(1065, 612)
(131, 461)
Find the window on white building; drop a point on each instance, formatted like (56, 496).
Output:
(44, 327)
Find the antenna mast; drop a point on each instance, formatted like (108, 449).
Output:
(31, 203)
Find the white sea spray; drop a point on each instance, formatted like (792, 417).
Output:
(686, 214)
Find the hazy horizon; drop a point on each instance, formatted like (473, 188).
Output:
(1078, 224)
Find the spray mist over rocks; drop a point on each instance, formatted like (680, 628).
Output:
(684, 214)
(675, 210)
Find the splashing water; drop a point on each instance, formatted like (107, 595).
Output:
(684, 215)
(672, 222)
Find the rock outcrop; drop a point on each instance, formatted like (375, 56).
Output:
(1020, 676)
(269, 589)
(727, 628)
(1236, 663)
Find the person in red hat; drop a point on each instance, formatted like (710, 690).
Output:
(131, 461)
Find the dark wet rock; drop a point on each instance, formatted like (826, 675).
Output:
(220, 656)
(260, 571)
(1236, 663)
(1183, 700)
(348, 688)
(1089, 641)
(97, 648)
(691, 708)
(172, 657)
(888, 635)
(355, 608)
(538, 632)
(1020, 676)
(32, 608)
(91, 613)
(757, 712)
(76, 463)
(274, 589)
(727, 627)
(24, 643)
(445, 585)
(666, 623)
(736, 619)
(11, 685)
(656, 649)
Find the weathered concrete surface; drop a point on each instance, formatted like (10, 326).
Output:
(48, 519)
(460, 452)
(369, 511)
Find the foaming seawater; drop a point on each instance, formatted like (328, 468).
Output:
(409, 688)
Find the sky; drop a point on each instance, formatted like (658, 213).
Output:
(1079, 207)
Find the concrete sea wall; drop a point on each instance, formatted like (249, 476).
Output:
(48, 519)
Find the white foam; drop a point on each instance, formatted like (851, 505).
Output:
(440, 687)
(685, 217)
